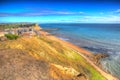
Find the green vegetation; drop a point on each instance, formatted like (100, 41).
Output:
(11, 36)
(8, 26)
(68, 57)
(55, 53)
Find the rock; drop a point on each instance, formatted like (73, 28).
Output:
(99, 56)
(81, 74)
(3, 38)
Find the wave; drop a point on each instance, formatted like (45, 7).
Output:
(66, 39)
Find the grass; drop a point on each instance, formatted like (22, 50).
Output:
(54, 52)
(11, 36)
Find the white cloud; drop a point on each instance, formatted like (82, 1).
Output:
(118, 10)
(41, 13)
(67, 12)
(100, 19)
(101, 13)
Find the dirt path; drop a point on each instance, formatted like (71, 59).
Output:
(82, 52)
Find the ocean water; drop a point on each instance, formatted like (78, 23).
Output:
(97, 38)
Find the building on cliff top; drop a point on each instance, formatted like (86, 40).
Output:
(22, 30)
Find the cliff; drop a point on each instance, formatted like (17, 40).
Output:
(42, 58)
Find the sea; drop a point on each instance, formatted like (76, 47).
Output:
(97, 38)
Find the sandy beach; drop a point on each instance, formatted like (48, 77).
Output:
(84, 53)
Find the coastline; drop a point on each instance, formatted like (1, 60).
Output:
(84, 53)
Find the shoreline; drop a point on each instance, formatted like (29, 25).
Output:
(84, 53)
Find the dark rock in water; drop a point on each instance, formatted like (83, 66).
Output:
(99, 56)
(96, 49)
(51, 29)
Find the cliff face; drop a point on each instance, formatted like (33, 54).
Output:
(37, 27)
(42, 59)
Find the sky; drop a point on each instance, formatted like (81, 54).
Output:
(60, 11)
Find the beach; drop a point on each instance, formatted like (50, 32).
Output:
(84, 53)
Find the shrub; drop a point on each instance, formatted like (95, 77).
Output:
(11, 36)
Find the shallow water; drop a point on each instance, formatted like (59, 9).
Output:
(98, 38)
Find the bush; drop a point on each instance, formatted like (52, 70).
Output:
(11, 36)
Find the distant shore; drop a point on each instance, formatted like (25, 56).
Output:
(84, 53)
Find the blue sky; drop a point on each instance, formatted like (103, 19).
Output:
(58, 11)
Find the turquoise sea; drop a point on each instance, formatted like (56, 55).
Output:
(97, 38)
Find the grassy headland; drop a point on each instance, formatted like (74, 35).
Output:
(45, 59)
(54, 53)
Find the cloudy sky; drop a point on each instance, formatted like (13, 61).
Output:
(60, 11)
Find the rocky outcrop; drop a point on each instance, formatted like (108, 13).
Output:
(59, 72)
(99, 56)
